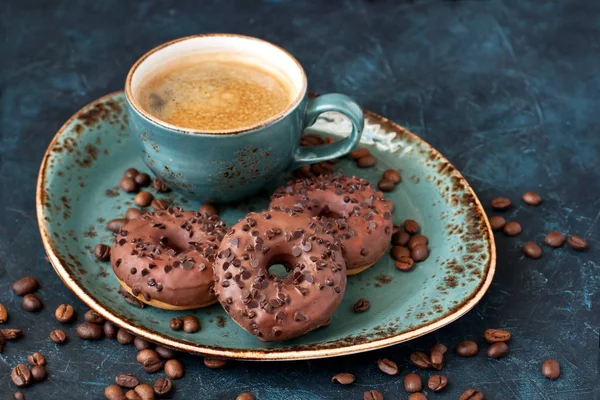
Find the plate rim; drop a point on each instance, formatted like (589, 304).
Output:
(263, 354)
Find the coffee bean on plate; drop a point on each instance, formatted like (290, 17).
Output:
(115, 225)
(208, 209)
(127, 380)
(128, 185)
(158, 205)
(141, 344)
(131, 173)
(437, 383)
(551, 369)
(361, 305)
(245, 396)
(113, 392)
(372, 395)
(531, 250)
(405, 264)
(417, 240)
(555, 239)
(577, 243)
(191, 324)
(419, 253)
(162, 386)
(343, 378)
(132, 213)
(124, 337)
(93, 317)
(174, 369)
(366, 162)
(165, 352)
(25, 286)
(471, 394)
(411, 226)
(110, 330)
(497, 222)
(512, 228)
(413, 383)
(142, 179)
(439, 347)
(214, 363)
(467, 348)
(437, 359)
(387, 366)
(160, 186)
(21, 375)
(3, 314)
(417, 396)
(58, 336)
(144, 391)
(36, 358)
(385, 185)
(38, 373)
(532, 198)
(496, 335)
(176, 323)
(102, 252)
(500, 203)
(89, 331)
(359, 153)
(497, 350)
(392, 175)
(31, 303)
(143, 199)
(398, 252)
(400, 238)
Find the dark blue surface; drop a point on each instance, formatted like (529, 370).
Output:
(508, 90)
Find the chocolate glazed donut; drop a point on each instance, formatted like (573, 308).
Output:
(165, 258)
(351, 210)
(268, 307)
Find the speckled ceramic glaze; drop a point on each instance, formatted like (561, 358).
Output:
(78, 192)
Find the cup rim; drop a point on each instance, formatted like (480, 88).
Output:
(134, 104)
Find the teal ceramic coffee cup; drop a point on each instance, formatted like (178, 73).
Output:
(224, 166)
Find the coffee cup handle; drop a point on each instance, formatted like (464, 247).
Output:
(317, 106)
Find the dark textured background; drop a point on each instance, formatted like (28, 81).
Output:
(508, 90)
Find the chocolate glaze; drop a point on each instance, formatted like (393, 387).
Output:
(351, 210)
(269, 307)
(168, 256)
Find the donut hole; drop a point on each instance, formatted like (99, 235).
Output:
(175, 242)
(326, 212)
(278, 271)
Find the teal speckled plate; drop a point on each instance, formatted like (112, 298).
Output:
(77, 193)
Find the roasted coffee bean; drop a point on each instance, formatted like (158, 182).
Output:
(420, 360)
(497, 350)
(132, 213)
(531, 250)
(245, 396)
(160, 186)
(417, 240)
(417, 396)
(411, 227)
(162, 386)
(208, 209)
(372, 395)
(361, 305)
(21, 375)
(25, 286)
(214, 363)
(386, 186)
(102, 252)
(128, 185)
(496, 335)
(64, 313)
(141, 344)
(38, 373)
(387, 366)
(165, 352)
(413, 383)
(31, 303)
(146, 392)
(3, 314)
(437, 383)
(497, 222)
(400, 238)
(512, 228)
(551, 369)
(439, 347)
(437, 359)
(392, 175)
(405, 264)
(131, 173)
(10, 333)
(142, 179)
(176, 323)
(398, 252)
(143, 199)
(467, 348)
(58, 336)
(18, 396)
(471, 394)
(36, 358)
(174, 369)
(359, 153)
(191, 324)
(419, 253)
(555, 239)
(366, 162)
(158, 205)
(343, 378)
(145, 354)
(532, 198)
(115, 225)
(577, 243)
(124, 337)
(89, 331)
(93, 317)
(132, 395)
(500, 203)
(110, 330)
(127, 380)
(113, 392)
(152, 365)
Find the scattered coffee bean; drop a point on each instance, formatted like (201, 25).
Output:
(3, 314)
(31, 303)
(158, 205)
(18, 396)
(399, 251)
(208, 209)
(343, 378)
(551, 369)
(25, 286)
(439, 347)
(400, 238)
(176, 323)
(386, 186)
(10, 333)
(115, 225)
(132, 395)
(577, 243)
(497, 222)
(36, 358)
(512, 228)
(361, 305)
(128, 185)
(21, 375)
(467, 348)
(174, 369)
(245, 396)
(497, 350)
(152, 364)
(132, 213)
(113, 392)
(160, 186)
(142, 179)
(471, 394)
(359, 153)
(437, 359)
(387, 366)
(417, 396)
(366, 162)
(417, 240)
(500, 203)
(214, 363)
(127, 380)
(531, 250)
(124, 337)
(165, 353)
(131, 173)
(102, 252)
(405, 264)
(141, 344)
(555, 239)
(437, 383)
(420, 360)
(93, 317)
(191, 324)
(496, 335)
(162, 386)
(532, 198)
(145, 354)
(372, 395)
(144, 391)
(143, 199)
(413, 383)
(89, 331)
(58, 336)
(110, 330)
(392, 175)
(38, 373)
(419, 253)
